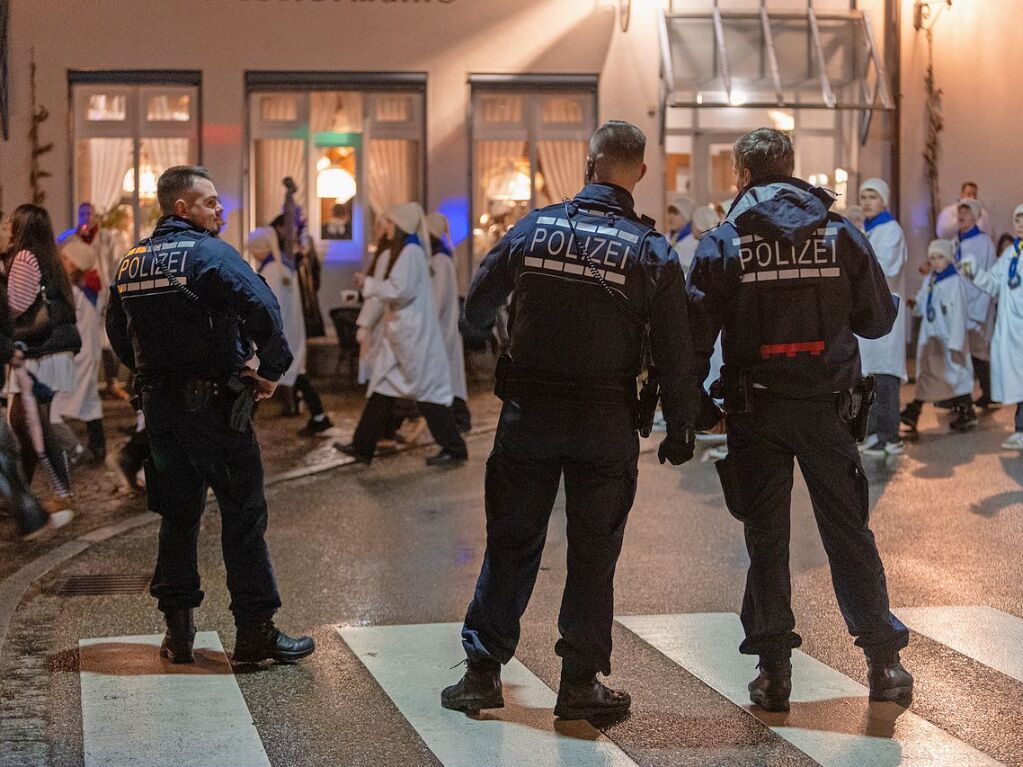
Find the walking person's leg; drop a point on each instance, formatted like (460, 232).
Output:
(444, 429)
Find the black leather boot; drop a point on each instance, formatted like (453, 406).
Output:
(479, 688)
(772, 687)
(889, 681)
(264, 641)
(588, 698)
(177, 642)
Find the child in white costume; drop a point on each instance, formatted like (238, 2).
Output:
(680, 229)
(972, 243)
(885, 358)
(944, 370)
(1002, 281)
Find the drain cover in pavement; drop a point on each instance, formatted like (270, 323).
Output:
(101, 585)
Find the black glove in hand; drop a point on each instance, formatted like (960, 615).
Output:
(676, 449)
(710, 414)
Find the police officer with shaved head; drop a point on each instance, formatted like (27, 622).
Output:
(591, 282)
(185, 315)
(789, 283)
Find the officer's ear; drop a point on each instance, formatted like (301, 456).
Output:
(181, 208)
(642, 172)
(590, 170)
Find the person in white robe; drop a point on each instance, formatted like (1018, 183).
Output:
(944, 370)
(971, 242)
(885, 357)
(445, 298)
(680, 229)
(1003, 282)
(947, 225)
(280, 271)
(83, 402)
(370, 330)
(410, 362)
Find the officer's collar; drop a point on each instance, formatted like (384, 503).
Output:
(611, 195)
(174, 223)
(769, 186)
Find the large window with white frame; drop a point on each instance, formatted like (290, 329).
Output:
(352, 152)
(127, 131)
(529, 142)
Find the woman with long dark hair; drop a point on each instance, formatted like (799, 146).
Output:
(36, 283)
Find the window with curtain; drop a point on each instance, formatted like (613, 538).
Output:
(352, 153)
(125, 136)
(529, 150)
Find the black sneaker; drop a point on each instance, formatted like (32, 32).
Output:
(590, 699)
(349, 449)
(446, 458)
(314, 427)
(965, 419)
(910, 415)
(889, 681)
(479, 688)
(264, 641)
(985, 402)
(772, 687)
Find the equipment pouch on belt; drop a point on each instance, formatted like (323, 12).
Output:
(854, 406)
(242, 404)
(736, 389)
(504, 366)
(646, 400)
(197, 393)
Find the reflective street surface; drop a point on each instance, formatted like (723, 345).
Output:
(378, 564)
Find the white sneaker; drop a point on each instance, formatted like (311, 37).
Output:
(55, 520)
(718, 453)
(884, 449)
(868, 442)
(1014, 441)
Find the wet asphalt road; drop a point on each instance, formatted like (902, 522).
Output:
(397, 543)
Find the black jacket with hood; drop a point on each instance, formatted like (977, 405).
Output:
(790, 285)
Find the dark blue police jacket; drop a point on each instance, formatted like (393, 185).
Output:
(156, 329)
(564, 323)
(789, 284)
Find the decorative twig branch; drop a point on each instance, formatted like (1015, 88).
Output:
(935, 124)
(40, 115)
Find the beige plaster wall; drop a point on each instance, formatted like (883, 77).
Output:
(224, 38)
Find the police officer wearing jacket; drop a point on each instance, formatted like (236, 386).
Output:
(185, 314)
(569, 392)
(790, 283)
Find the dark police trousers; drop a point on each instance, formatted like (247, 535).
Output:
(596, 449)
(757, 480)
(193, 451)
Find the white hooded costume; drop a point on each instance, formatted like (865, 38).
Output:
(943, 366)
(1002, 281)
(683, 240)
(887, 355)
(410, 361)
(947, 226)
(445, 298)
(282, 277)
(979, 248)
(370, 328)
(83, 403)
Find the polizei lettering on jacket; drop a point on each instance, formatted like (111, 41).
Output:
(140, 274)
(768, 261)
(553, 250)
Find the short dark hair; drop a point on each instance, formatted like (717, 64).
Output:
(969, 183)
(619, 142)
(174, 182)
(765, 153)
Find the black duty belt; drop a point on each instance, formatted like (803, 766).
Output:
(593, 391)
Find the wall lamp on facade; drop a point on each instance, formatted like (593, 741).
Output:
(927, 12)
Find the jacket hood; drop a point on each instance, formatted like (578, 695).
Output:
(784, 209)
(608, 195)
(170, 224)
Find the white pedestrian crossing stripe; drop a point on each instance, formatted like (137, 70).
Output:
(831, 719)
(985, 634)
(138, 709)
(413, 663)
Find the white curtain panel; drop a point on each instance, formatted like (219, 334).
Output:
(389, 174)
(339, 111)
(165, 153)
(109, 160)
(275, 159)
(562, 164)
(392, 108)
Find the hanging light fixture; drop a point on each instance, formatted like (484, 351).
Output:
(334, 183)
(147, 182)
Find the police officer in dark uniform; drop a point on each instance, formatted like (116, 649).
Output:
(789, 283)
(587, 276)
(185, 314)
